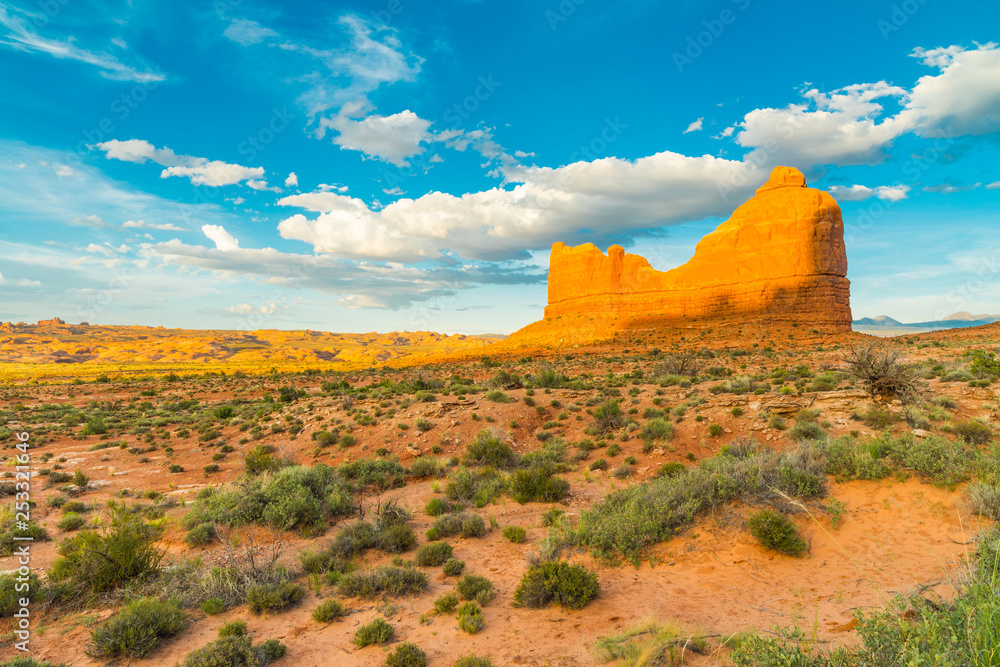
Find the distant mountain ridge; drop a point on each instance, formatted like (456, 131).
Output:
(953, 321)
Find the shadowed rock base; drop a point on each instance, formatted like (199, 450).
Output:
(780, 258)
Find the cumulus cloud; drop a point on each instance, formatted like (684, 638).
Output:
(963, 99)
(292, 181)
(201, 171)
(860, 192)
(390, 138)
(583, 201)
(16, 33)
(223, 240)
(246, 32)
(951, 188)
(694, 127)
(993, 186)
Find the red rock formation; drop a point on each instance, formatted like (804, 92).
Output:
(780, 257)
(55, 321)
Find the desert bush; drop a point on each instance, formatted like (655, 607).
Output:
(406, 655)
(274, 597)
(387, 580)
(201, 534)
(490, 450)
(878, 418)
(466, 524)
(775, 532)
(213, 606)
(806, 430)
(433, 554)
(453, 567)
(437, 507)
(70, 521)
(973, 432)
(233, 629)
(626, 521)
(377, 631)
(235, 651)
(123, 552)
(473, 661)
(475, 587)
(599, 464)
(470, 617)
(427, 466)
(378, 473)
(538, 484)
(396, 539)
(498, 396)
(608, 416)
(475, 487)
(984, 499)
(515, 534)
(657, 429)
(649, 643)
(557, 582)
(329, 610)
(136, 630)
(877, 367)
(446, 603)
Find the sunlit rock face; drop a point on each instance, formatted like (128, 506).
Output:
(780, 257)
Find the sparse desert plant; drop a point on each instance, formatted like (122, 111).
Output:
(538, 484)
(559, 582)
(201, 534)
(474, 661)
(136, 630)
(475, 587)
(490, 449)
(453, 567)
(329, 610)
(433, 554)
(377, 631)
(877, 367)
(70, 521)
(446, 603)
(973, 432)
(806, 430)
(775, 532)
(470, 617)
(515, 534)
(406, 655)
(609, 416)
(274, 597)
(213, 606)
(984, 499)
(393, 581)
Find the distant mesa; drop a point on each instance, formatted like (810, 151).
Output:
(55, 321)
(954, 321)
(779, 258)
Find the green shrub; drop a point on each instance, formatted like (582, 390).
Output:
(774, 531)
(515, 534)
(984, 499)
(136, 630)
(274, 597)
(437, 507)
(599, 464)
(453, 567)
(426, 466)
(406, 655)
(28, 661)
(475, 487)
(608, 416)
(552, 516)
(657, 429)
(878, 418)
(538, 484)
(329, 610)
(470, 617)
(123, 552)
(498, 396)
(234, 629)
(392, 581)
(446, 603)
(433, 554)
(568, 585)
(489, 449)
(376, 632)
(70, 521)
(228, 652)
(396, 539)
(213, 606)
(806, 430)
(473, 661)
(475, 587)
(272, 649)
(973, 432)
(473, 526)
(201, 534)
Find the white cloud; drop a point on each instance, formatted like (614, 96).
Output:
(139, 224)
(993, 186)
(268, 308)
(951, 188)
(246, 32)
(964, 99)
(694, 127)
(728, 132)
(223, 240)
(838, 127)
(20, 36)
(390, 138)
(582, 201)
(64, 171)
(891, 193)
(200, 170)
(292, 181)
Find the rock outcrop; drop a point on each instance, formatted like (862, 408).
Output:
(780, 258)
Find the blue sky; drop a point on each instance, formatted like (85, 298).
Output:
(404, 165)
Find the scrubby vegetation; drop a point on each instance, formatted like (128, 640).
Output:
(556, 582)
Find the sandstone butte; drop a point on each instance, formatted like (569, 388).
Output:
(779, 259)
